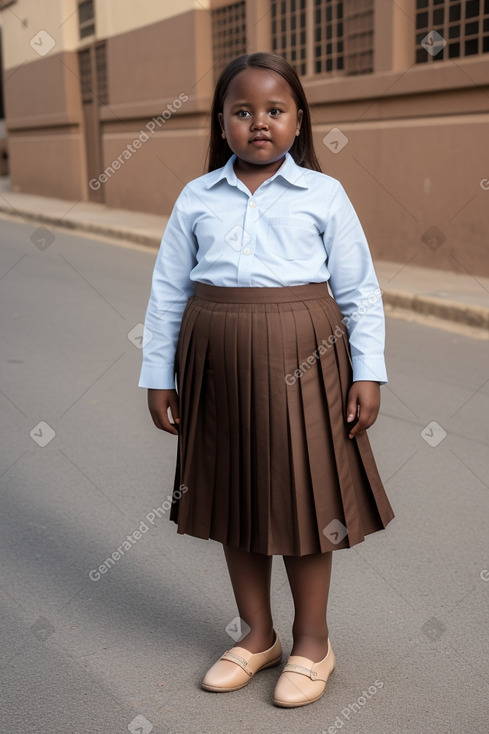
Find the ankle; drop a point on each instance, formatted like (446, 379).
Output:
(314, 647)
(258, 639)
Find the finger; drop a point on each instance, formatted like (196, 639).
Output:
(351, 408)
(366, 418)
(175, 410)
(168, 426)
(162, 421)
(357, 428)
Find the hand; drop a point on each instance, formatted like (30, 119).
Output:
(158, 403)
(364, 402)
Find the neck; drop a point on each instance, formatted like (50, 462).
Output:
(251, 169)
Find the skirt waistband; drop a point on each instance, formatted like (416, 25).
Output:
(252, 294)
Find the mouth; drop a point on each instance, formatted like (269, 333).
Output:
(260, 141)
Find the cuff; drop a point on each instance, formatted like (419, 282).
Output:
(369, 368)
(157, 378)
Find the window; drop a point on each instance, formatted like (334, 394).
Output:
(85, 66)
(93, 86)
(228, 34)
(324, 36)
(101, 72)
(463, 27)
(86, 18)
(329, 44)
(359, 37)
(289, 32)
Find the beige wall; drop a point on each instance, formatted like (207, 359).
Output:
(41, 161)
(417, 135)
(59, 18)
(402, 181)
(25, 19)
(115, 17)
(45, 140)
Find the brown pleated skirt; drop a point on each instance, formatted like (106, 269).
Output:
(264, 462)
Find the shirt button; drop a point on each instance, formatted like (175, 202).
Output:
(252, 203)
(246, 251)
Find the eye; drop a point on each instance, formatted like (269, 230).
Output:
(275, 112)
(242, 113)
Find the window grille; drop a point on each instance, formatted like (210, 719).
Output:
(463, 27)
(101, 71)
(228, 34)
(289, 32)
(359, 36)
(324, 36)
(86, 18)
(328, 36)
(85, 67)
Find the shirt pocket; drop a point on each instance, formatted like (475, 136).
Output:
(292, 238)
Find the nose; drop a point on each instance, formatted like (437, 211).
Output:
(259, 123)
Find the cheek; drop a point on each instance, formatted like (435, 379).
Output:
(238, 127)
(286, 123)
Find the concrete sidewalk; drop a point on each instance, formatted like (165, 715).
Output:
(453, 297)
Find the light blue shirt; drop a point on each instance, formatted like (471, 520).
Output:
(298, 227)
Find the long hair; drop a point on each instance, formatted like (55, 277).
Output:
(302, 150)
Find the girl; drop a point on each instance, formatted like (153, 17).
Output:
(276, 379)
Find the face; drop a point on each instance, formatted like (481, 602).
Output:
(260, 117)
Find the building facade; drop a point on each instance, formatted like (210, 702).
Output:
(108, 100)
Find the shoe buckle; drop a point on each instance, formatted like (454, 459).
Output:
(234, 658)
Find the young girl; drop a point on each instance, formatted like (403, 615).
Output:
(276, 379)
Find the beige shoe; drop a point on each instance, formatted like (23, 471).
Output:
(303, 681)
(237, 666)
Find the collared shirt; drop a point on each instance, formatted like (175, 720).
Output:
(298, 227)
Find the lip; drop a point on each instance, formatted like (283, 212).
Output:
(260, 141)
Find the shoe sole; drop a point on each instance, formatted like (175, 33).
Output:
(216, 689)
(288, 705)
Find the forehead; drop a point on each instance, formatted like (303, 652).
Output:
(255, 85)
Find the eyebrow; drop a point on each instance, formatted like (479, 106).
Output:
(270, 102)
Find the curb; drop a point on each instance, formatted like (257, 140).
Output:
(462, 313)
(130, 235)
(455, 311)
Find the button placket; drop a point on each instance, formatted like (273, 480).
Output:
(245, 263)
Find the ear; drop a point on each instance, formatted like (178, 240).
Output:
(220, 117)
(299, 121)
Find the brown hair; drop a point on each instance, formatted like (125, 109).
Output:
(302, 150)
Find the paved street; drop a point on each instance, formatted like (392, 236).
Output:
(83, 472)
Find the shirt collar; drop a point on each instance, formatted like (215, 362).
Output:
(289, 171)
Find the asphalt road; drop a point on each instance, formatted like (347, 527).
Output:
(82, 469)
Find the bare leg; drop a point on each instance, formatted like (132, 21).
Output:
(250, 575)
(309, 578)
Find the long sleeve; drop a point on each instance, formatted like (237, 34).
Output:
(170, 290)
(355, 288)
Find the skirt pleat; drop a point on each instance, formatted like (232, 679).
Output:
(263, 376)
(260, 427)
